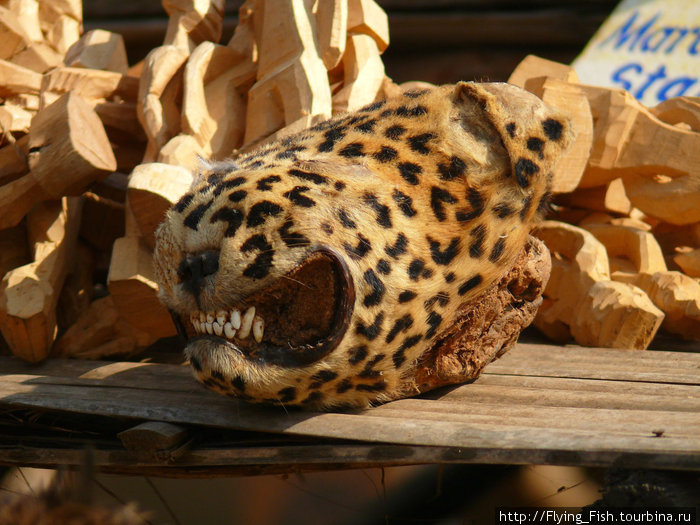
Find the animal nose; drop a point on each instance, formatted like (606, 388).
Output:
(194, 269)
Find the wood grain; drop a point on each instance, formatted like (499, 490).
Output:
(538, 404)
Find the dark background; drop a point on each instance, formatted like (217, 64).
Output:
(438, 41)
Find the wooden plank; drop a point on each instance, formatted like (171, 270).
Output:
(526, 359)
(84, 372)
(592, 444)
(506, 416)
(585, 385)
(226, 462)
(489, 390)
(598, 363)
(545, 401)
(538, 403)
(642, 422)
(203, 462)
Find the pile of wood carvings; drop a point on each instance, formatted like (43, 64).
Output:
(93, 152)
(625, 235)
(65, 100)
(76, 120)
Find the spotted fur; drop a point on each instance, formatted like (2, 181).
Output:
(427, 198)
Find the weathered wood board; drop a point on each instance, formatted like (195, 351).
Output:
(538, 404)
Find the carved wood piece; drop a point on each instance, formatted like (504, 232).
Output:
(101, 333)
(677, 295)
(630, 140)
(582, 302)
(27, 13)
(193, 22)
(39, 57)
(611, 198)
(533, 66)
(182, 150)
(679, 111)
(93, 85)
(291, 79)
(13, 37)
(159, 95)
(153, 189)
(29, 293)
(689, 261)
(674, 200)
(215, 86)
(366, 16)
(155, 441)
(133, 289)
(637, 246)
(332, 24)
(16, 79)
(98, 49)
(363, 74)
(68, 149)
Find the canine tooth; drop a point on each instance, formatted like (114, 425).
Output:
(209, 328)
(258, 328)
(229, 331)
(202, 317)
(247, 322)
(218, 329)
(221, 317)
(197, 326)
(210, 318)
(235, 319)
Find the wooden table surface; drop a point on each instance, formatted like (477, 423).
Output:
(539, 404)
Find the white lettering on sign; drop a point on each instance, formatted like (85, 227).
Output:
(649, 48)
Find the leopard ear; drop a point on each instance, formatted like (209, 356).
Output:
(534, 135)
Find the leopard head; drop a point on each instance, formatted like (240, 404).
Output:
(317, 270)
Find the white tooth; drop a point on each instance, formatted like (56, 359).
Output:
(210, 318)
(195, 323)
(209, 328)
(202, 317)
(247, 322)
(258, 328)
(229, 331)
(235, 319)
(221, 317)
(218, 329)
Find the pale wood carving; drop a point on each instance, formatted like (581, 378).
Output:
(291, 81)
(98, 49)
(67, 133)
(29, 293)
(133, 289)
(153, 189)
(159, 96)
(582, 302)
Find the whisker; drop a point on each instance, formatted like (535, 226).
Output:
(295, 281)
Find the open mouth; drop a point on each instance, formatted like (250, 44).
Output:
(294, 322)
